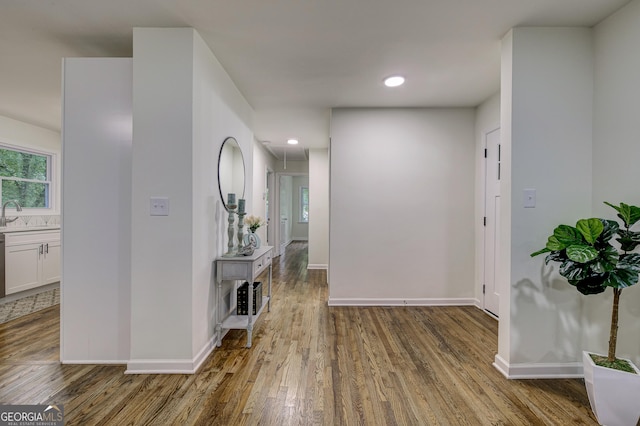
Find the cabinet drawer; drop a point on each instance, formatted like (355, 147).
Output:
(234, 270)
(262, 262)
(31, 237)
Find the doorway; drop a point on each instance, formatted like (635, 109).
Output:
(492, 153)
(268, 207)
(290, 222)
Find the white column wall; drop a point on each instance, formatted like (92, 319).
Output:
(318, 209)
(402, 206)
(616, 150)
(185, 105)
(161, 258)
(547, 146)
(96, 221)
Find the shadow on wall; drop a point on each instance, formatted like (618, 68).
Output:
(549, 309)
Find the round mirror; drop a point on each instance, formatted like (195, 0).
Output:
(230, 171)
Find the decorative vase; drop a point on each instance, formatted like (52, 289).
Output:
(252, 239)
(613, 394)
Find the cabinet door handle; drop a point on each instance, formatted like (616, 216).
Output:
(46, 248)
(40, 251)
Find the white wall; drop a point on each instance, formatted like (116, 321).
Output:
(20, 134)
(262, 161)
(185, 105)
(546, 105)
(402, 199)
(616, 149)
(219, 111)
(292, 167)
(96, 220)
(318, 209)
(487, 119)
(299, 230)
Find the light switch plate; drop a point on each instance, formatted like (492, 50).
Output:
(529, 198)
(159, 206)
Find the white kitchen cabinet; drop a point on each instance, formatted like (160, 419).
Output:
(32, 259)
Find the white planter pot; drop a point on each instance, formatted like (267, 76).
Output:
(613, 394)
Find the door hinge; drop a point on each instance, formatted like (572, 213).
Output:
(484, 221)
(483, 288)
(485, 153)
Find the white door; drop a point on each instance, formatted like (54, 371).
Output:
(492, 220)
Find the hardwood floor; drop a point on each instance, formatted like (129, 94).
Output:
(309, 364)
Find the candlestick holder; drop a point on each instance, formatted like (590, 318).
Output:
(241, 215)
(230, 231)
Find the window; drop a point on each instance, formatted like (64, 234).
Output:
(25, 176)
(304, 204)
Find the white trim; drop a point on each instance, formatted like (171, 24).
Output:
(52, 162)
(299, 238)
(401, 302)
(568, 370)
(171, 366)
(94, 361)
(317, 266)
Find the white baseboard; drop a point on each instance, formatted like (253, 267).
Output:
(171, 366)
(401, 302)
(94, 361)
(299, 239)
(317, 266)
(568, 370)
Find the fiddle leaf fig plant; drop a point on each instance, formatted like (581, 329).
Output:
(591, 263)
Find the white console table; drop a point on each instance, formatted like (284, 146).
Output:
(244, 268)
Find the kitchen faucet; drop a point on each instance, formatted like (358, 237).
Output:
(3, 218)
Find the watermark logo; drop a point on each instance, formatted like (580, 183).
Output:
(31, 415)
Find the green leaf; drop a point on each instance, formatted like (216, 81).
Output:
(629, 214)
(626, 273)
(607, 260)
(567, 235)
(590, 229)
(544, 250)
(630, 261)
(591, 285)
(574, 271)
(611, 227)
(554, 245)
(621, 278)
(628, 240)
(556, 256)
(581, 253)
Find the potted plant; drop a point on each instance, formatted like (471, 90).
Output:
(591, 263)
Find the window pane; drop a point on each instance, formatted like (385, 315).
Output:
(304, 204)
(28, 194)
(23, 165)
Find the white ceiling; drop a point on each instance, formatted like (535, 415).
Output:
(292, 59)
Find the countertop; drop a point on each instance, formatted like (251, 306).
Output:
(11, 229)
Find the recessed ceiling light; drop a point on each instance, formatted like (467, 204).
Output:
(292, 141)
(394, 81)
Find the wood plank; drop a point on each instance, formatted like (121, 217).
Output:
(309, 364)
